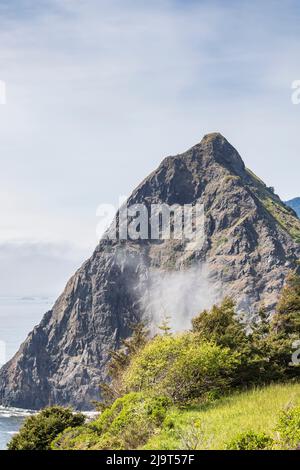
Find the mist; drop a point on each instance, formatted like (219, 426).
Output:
(179, 296)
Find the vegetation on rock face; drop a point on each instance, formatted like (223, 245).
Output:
(159, 384)
(38, 431)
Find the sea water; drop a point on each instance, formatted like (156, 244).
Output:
(10, 422)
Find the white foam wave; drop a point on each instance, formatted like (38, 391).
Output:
(10, 412)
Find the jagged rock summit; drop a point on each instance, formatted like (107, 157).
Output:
(223, 151)
(251, 243)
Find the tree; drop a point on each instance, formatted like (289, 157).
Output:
(164, 326)
(265, 354)
(285, 329)
(287, 318)
(119, 362)
(38, 431)
(221, 325)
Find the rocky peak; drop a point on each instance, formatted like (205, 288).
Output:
(223, 152)
(250, 247)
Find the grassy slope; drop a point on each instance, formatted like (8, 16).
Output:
(253, 410)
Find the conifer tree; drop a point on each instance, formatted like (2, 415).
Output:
(119, 361)
(164, 326)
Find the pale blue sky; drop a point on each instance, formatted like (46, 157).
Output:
(98, 92)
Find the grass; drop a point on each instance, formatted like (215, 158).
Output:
(255, 410)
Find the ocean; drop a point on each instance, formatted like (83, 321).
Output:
(10, 422)
(18, 315)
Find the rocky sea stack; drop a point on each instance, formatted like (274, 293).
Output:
(251, 243)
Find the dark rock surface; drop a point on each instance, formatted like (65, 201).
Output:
(250, 246)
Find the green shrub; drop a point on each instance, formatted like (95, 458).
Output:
(182, 368)
(38, 431)
(127, 424)
(80, 438)
(149, 368)
(201, 372)
(288, 428)
(250, 440)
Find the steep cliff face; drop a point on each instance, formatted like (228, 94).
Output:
(251, 243)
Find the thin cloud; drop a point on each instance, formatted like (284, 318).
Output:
(98, 92)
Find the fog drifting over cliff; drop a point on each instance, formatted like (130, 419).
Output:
(180, 295)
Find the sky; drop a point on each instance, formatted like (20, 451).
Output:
(99, 92)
